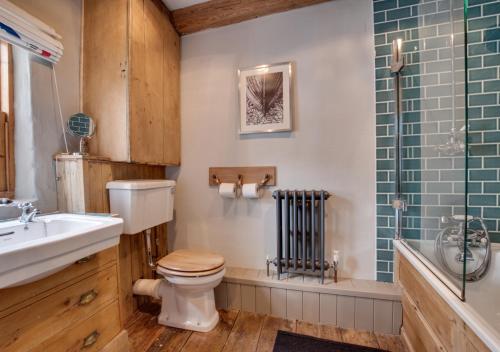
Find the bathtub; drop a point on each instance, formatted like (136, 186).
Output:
(481, 308)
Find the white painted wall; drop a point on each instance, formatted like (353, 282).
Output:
(332, 146)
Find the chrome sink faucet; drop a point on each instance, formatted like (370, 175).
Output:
(28, 212)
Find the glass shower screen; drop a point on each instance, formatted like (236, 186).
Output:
(433, 133)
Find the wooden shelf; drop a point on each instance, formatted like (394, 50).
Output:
(249, 174)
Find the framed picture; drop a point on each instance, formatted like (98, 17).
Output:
(265, 93)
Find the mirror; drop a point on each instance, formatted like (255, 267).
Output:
(83, 126)
(32, 114)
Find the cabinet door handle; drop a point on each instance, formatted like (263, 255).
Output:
(91, 339)
(88, 297)
(85, 259)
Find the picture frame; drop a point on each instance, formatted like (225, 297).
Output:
(265, 94)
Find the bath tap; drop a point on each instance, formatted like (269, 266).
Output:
(462, 257)
(475, 238)
(455, 144)
(467, 240)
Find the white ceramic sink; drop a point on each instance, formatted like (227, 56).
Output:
(51, 243)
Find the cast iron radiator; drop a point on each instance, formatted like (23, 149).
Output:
(300, 232)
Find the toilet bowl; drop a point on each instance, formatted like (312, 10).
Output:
(187, 290)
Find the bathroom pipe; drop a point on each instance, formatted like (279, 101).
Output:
(398, 203)
(147, 287)
(149, 251)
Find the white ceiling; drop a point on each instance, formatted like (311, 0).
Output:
(177, 4)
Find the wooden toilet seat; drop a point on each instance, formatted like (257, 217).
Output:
(189, 263)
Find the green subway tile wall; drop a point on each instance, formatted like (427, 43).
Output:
(484, 112)
(433, 183)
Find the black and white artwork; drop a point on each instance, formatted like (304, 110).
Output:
(265, 98)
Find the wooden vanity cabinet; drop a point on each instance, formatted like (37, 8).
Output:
(72, 310)
(130, 80)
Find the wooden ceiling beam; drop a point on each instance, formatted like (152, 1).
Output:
(218, 13)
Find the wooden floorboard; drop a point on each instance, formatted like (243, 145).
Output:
(309, 329)
(143, 329)
(270, 329)
(390, 342)
(171, 340)
(362, 338)
(245, 333)
(241, 331)
(214, 340)
(329, 332)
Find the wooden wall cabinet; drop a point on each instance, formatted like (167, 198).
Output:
(130, 80)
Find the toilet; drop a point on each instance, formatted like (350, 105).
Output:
(186, 290)
(188, 294)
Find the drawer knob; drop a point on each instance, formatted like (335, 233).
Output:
(91, 339)
(85, 259)
(88, 297)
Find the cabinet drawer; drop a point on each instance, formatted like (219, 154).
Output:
(33, 324)
(89, 335)
(13, 299)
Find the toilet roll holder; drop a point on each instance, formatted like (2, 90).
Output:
(264, 181)
(255, 179)
(260, 175)
(239, 184)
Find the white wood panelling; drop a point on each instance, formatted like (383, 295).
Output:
(294, 304)
(382, 311)
(248, 298)
(310, 307)
(278, 302)
(328, 309)
(344, 287)
(345, 311)
(221, 296)
(263, 300)
(397, 317)
(363, 313)
(233, 296)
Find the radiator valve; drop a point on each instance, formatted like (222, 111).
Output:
(268, 261)
(335, 265)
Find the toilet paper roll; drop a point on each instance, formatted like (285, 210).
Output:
(227, 190)
(251, 190)
(148, 287)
